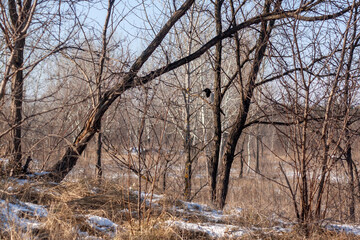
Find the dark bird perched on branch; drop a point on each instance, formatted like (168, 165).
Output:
(208, 93)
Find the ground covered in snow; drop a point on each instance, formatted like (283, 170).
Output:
(33, 210)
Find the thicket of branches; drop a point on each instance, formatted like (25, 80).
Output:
(125, 80)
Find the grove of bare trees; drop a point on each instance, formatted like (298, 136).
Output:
(124, 81)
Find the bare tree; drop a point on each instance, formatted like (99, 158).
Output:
(214, 160)
(325, 132)
(316, 127)
(247, 93)
(18, 23)
(349, 88)
(99, 76)
(28, 43)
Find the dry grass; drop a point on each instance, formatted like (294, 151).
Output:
(69, 202)
(263, 202)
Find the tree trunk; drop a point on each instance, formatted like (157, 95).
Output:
(214, 160)
(188, 161)
(241, 173)
(249, 154)
(257, 167)
(99, 78)
(99, 168)
(187, 98)
(239, 124)
(98, 163)
(16, 104)
(348, 101)
(349, 162)
(20, 19)
(164, 175)
(187, 177)
(228, 157)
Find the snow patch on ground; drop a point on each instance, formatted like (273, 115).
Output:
(201, 210)
(21, 215)
(213, 230)
(346, 228)
(236, 211)
(85, 235)
(155, 197)
(38, 174)
(19, 182)
(150, 198)
(207, 212)
(101, 224)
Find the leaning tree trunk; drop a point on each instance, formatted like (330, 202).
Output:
(228, 157)
(237, 129)
(92, 124)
